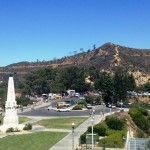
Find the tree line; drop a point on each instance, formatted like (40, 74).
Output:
(57, 80)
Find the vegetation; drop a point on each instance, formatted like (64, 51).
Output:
(105, 84)
(24, 101)
(3, 91)
(23, 119)
(115, 123)
(12, 130)
(61, 123)
(141, 117)
(57, 80)
(123, 82)
(110, 136)
(32, 141)
(77, 107)
(28, 126)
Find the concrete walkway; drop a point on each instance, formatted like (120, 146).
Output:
(66, 142)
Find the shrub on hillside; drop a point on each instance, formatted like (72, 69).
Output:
(83, 138)
(115, 123)
(99, 129)
(112, 142)
(143, 111)
(141, 122)
(138, 116)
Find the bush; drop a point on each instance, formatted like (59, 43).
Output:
(83, 103)
(115, 123)
(28, 126)
(59, 107)
(77, 107)
(83, 138)
(89, 99)
(24, 101)
(141, 122)
(10, 130)
(99, 129)
(114, 139)
(143, 111)
(138, 116)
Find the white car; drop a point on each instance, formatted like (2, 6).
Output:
(49, 107)
(89, 106)
(63, 109)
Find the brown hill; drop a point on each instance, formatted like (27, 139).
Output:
(106, 58)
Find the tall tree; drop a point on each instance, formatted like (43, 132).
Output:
(74, 78)
(105, 84)
(123, 82)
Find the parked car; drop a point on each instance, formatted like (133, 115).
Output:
(49, 107)
(63, 109)
(89, 106)
(70, 102)
(113, 106)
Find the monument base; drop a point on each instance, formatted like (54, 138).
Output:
(17, 128)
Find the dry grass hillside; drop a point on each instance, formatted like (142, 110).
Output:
(105, 58)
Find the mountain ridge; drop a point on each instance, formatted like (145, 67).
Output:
(107, 57)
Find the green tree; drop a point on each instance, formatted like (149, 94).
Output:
(105, 84)
(3, 93)
(74, 78)
(147, 87)
(123, 82)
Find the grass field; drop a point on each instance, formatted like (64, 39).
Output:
(31, 141)
(40, 140)
(61, 123)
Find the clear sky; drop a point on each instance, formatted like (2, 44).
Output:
(48, 29)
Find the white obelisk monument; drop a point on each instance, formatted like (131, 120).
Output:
(11, 118)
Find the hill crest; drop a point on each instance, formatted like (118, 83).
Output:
(106, 58)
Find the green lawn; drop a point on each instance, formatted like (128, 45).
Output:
(31, 141)
(61, 123)
(23, 119)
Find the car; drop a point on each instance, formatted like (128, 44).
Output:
(49, 107)
(63, 109)
(113, 106)
(89, 106)
(82, 97)
(70, 102)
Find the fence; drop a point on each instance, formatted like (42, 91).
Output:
(138, 144)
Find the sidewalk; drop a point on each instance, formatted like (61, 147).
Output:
(66, 142)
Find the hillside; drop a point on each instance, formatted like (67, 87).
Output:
(105, 58)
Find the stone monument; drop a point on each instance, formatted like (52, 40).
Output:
(11, 118)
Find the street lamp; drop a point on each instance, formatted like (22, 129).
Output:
(73, 126)
(121, 104)
(92, 121)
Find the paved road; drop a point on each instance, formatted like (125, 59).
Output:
(52, 113)
(42, 110)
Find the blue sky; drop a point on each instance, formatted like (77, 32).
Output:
(48, 29)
